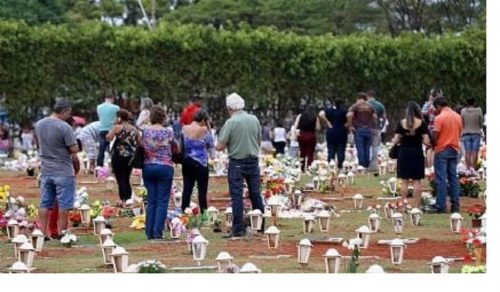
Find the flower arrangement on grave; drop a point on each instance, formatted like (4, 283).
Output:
(386, 190)
(3, 223)
(68, 238)
(474, 240)
(374, 209)
(95, 209)
(426, 200)
(193, 218)
(4, 193)
(469, 184)
(142, 193)
(139, 222)
(151, 267)
(476, 211)
(274, 186)
(74, 218)
(468, 269)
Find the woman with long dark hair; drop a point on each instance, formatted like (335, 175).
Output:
(411, 133)
(307, 123)
(127, 139)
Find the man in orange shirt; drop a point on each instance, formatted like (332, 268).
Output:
(447, 132)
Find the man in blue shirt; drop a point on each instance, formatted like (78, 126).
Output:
(106, 112)
(376, 134)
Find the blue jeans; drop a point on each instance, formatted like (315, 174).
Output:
(445, 169)
(336, 147)
(363, 140)
(103, 146)
(62, 188)
(239, 170)
(158, 181)
(471, 142)
(376, 141)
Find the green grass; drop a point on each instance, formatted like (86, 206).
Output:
(87, 257)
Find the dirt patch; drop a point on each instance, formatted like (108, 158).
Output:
(424, 249)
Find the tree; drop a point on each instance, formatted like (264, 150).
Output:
(34, 12)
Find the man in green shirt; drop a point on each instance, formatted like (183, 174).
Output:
(241, 136)
(376, 134)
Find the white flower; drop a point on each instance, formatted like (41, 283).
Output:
(188, 211)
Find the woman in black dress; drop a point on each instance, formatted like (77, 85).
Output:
(411, 133)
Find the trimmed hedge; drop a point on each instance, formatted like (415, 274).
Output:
(270, 69)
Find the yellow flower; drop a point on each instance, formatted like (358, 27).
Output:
(3, 196)
(139, 222)
(6, 188)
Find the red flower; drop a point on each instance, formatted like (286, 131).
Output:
(476, 242)
(108, 212)
(196, 211)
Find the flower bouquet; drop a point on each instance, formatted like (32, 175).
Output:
(68, 239)
(476, 211)
(74, 218)
(467, 269)
(469, 184)
(474, 241)
(151, 266)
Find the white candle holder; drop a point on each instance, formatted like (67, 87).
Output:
(439, 265)
(12, 228)
(398, 222)
(85, 214)
(17, 241)
(199, 247)
(304, 251)
(416, 216)
(332, 261)
(107, 248)
(119, 258)
(105, 234)
(308, 223)
(350, 177)
(374, 222)
(456, 222)
(249, 268)
(224, 260)
(27, 254)
(255, 219)
(358, 201)
(324, 221)
(99, 224)
(364, 233)
(297, 198)
(38, 239)
(397, 251)
(273, 235)
(228, 213)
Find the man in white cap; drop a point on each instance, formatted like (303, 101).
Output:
(241, 136)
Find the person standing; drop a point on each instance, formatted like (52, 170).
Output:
(127, 139)
(241, 135)
(88, 137)
(106, 112)
(58, 148)
(198, 146)
(191, 109)
(362, 120)
(158, 172)
(376, 133)
(307, 123)
(279, 138)
(27, 139)
(411, 133)
(447, 131)
(336, 134)
(143, 119)
(4, 141)
(429, 112)
(293, 148)
(266, 142)
(472, 118)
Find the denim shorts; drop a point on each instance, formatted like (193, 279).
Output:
(471, 142)
(61, 188)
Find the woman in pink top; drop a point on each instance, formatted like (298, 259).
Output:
(158, 172)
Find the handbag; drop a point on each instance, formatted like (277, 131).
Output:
(178, 150)
(137, 160)
(394, 152)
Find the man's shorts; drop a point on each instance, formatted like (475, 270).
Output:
(471, 142)
(61, 188)
(90, 148)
